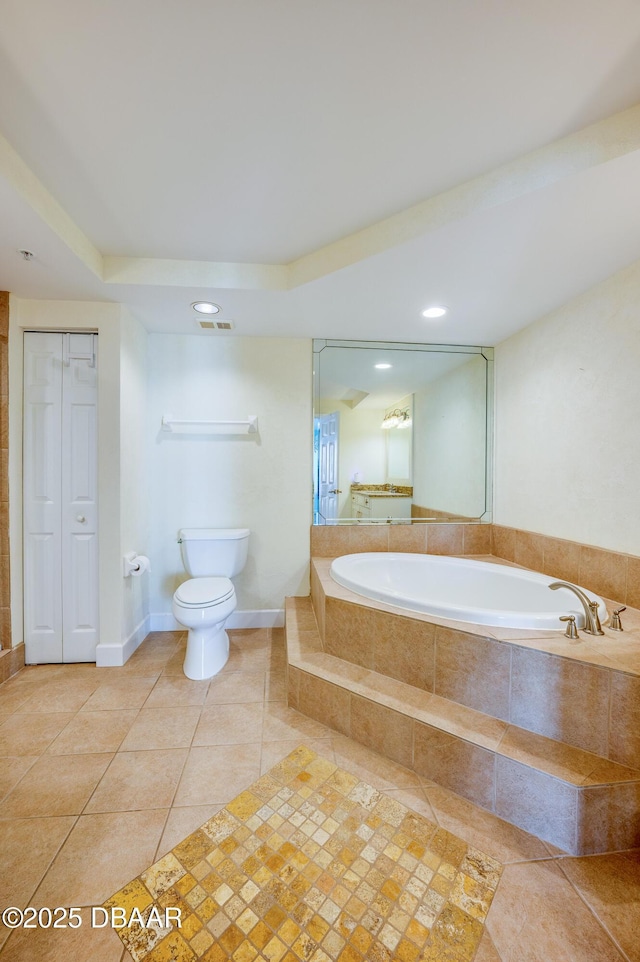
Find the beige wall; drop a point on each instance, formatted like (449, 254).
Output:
(567, 457)
(449, 418)
(262, 482)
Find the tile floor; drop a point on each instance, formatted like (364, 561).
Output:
(102, 771)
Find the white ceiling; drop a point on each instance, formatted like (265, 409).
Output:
(228, 150)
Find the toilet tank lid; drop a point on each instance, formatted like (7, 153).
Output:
(213, 534)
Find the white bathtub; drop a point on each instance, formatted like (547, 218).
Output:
(462, 589)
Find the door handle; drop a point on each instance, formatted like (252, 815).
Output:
(81, 518)
(335, 491)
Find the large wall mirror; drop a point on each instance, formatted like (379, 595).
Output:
(402, 432)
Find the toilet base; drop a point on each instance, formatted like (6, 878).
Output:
(207, 652)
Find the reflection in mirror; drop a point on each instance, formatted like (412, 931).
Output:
(401, 432)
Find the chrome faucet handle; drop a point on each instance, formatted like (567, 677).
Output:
(572, 631)
(616, 624)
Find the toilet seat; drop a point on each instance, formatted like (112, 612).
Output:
(204, 592)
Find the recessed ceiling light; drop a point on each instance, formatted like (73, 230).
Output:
(382, 367)
(206, 307)
(434, 311)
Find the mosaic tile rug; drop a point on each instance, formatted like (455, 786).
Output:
(311, 863)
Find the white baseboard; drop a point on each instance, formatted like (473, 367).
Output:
(115, 655)
(259, 618)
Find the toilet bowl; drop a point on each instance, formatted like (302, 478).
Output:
(204, 603)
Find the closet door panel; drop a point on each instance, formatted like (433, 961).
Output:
(42, 449)
(79, 508)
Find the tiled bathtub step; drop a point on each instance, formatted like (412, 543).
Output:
(575, 799)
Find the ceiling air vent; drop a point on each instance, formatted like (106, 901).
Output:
(216, 325)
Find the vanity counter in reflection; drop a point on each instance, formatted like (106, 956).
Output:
(380, 503)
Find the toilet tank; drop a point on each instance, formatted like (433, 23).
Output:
(214, 551)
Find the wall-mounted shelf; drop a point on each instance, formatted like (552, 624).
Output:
(247, 426)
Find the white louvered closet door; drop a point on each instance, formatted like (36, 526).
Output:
(60, 497)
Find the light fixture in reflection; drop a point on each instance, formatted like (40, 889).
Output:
(434, 311)
(382, 367)
(396, 419)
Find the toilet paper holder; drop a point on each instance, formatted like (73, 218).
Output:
(134, 565)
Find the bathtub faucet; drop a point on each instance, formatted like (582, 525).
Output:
(591, 620)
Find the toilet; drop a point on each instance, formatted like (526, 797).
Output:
(212, 556)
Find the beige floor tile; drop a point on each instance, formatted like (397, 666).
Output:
(282, 723)
(162, 728)
(93, 731)
(276, 689)
(56, 785)
(274, 752)
(500, 839)
(610, 885)
(84, 944)
(62, 696)
(216, 774)
(236, 687)
(31, 734)
(380, 772)
(487, 951)
(11, 699)
(228, 724)
(102, 853)
(414, 798)
(243, 657)
(138, 780)
(537, 916)
(173, 692)
(12, 768)
(28, 847)
(182, 822)
(130, 692)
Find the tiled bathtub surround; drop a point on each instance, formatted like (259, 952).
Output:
(544, 732)
(608, 573)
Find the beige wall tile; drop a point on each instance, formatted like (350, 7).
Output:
(560, 698)
(329, 541)
(404, 649)
(445, 539)
(609, 818)
(624, 733)
(325, 702)
(632, 596)
(382, 729)
(562, 560)
(293, 687)
(408, 538)
(529, 550)
(368, 537)
(473, 671)
(349, 631)
(476, 539)
(454, 763)
(537, 802)
(503, 542)
(604, 572)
